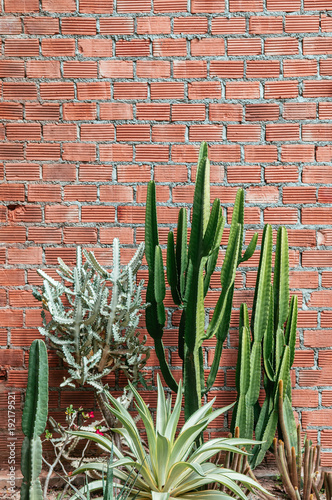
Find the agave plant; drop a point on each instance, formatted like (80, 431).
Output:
(174, 467)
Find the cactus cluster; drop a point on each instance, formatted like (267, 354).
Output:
(189, 270)
(94, 318)
(34, 421)
(267, 337)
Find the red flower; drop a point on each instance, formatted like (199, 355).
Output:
(98, 432)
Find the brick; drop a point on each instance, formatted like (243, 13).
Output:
(317, 45)
(13, 234)
(207, 47)
(116, 152)
(225, 25)
(125, 235)
(163, 174)
(91, 47)
(79, 152)
(167, 90)
(93, 91)
(43, 151)
(114, 193)
(80, 69)
(59, 5)
(225, 112)
(281, 90)
(300, 67)
(299, 110)
(264, 154)
(23, 131)
(283, 5)
(204, 90)
(57, 90)
(61, 213)
(151, 153)
(313, 88)
(43, 112)
(134, 6)
(262, 112)
(151, 111)
(243, 133)
(127, 173)
(22, 171)
(11, 318)
(265, 25)
(133, 133)
(153, 69)
(25, 256)
(170, 6)
(94, 213)
(41, 25)
(244, 46)
(19, 91)
(242, 6)
(167, 47)
(96, 6)
(10, 25)
(299, 194)
(325, 67)
(236, 174)
(190, 25)
(78, 110)
(116, 69)
(263, 69)
(317, 132)
(325, 195)
(80, 235)
(297, 153)
(12, 69)
(323, 153)
(58, 47)
(258, 194)
(326, 23)
(190, 69)
(210, 132)
(45, 235)
(26, 213)
(42, 192)
(78, 26)
(316, 215)
(208, 6)
(317, 174)
(43, 69)
(133, 48)
(168, 133)
(126, 90)
(80, 193)
(19, 6)
(116, 111)
(242, 90)
(282, 132)
(115, 26)
(59, 132)
(227, 69)
(21, 47)
(301, 24)
(153, 25)
(11, 111)
(12, 277)
(97, 132)
(95, 173)
(281, 46)
(11, 151)
(280, 215)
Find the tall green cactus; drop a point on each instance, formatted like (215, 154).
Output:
(34, 421)
(189, 270)
(270, 341)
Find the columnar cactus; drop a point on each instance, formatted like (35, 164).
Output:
(189, 270)
(34, 421)
(270, 340)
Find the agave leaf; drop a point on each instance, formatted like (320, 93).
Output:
(161, 416)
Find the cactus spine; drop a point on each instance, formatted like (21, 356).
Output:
(189, 270)
(270, 341)
(34, 421)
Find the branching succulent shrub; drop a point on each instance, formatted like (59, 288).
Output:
(94, 319)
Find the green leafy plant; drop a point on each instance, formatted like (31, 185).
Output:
(34, 421)
(299, 467)
(173, 467)
(94, 319)
(189, 271)
(273, 342)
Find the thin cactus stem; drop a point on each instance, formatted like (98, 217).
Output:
(284, 430)
(316, 491)
(298, 496)
(299, 452)
(294, 469)
(312, 453)
(305, 469)
(285, 476)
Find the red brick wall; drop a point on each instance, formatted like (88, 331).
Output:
(98, 97)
